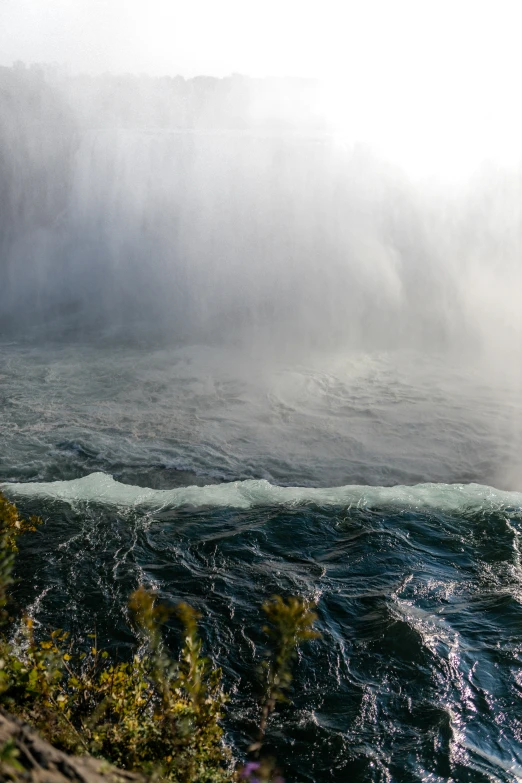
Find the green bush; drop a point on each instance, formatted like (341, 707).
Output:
(153, 714)
(12, 525)
(148, 714)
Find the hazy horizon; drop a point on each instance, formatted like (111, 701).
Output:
(431, 85)
(286, 38)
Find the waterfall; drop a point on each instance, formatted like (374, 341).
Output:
(286, 238)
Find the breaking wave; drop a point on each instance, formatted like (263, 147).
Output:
(102, 488)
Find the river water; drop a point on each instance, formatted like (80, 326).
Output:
(382, 485)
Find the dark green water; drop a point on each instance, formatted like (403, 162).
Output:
(313, 363)
(418, 675)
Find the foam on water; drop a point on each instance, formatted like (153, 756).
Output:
(102, 488)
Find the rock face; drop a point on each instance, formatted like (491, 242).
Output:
(38, 762)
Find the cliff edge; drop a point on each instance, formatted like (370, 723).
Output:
(25, 756)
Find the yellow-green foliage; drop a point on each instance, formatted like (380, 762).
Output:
(153, 713)
(149, 714)
(12, 524)
(290, 623)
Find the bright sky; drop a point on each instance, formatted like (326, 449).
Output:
(415, 73)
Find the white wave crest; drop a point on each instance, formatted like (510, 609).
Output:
(102, 488)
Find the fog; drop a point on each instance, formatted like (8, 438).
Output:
(234, 210)
(260, 332)
(359, 193)
(360, 188)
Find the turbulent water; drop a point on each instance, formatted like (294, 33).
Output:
(242, 357)
(222, 479)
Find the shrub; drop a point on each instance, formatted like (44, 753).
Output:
(149, 714)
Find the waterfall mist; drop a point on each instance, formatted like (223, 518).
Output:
(228, 213)
(195, 211)
(261, 335)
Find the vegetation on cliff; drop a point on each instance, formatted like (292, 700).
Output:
(153, 714)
